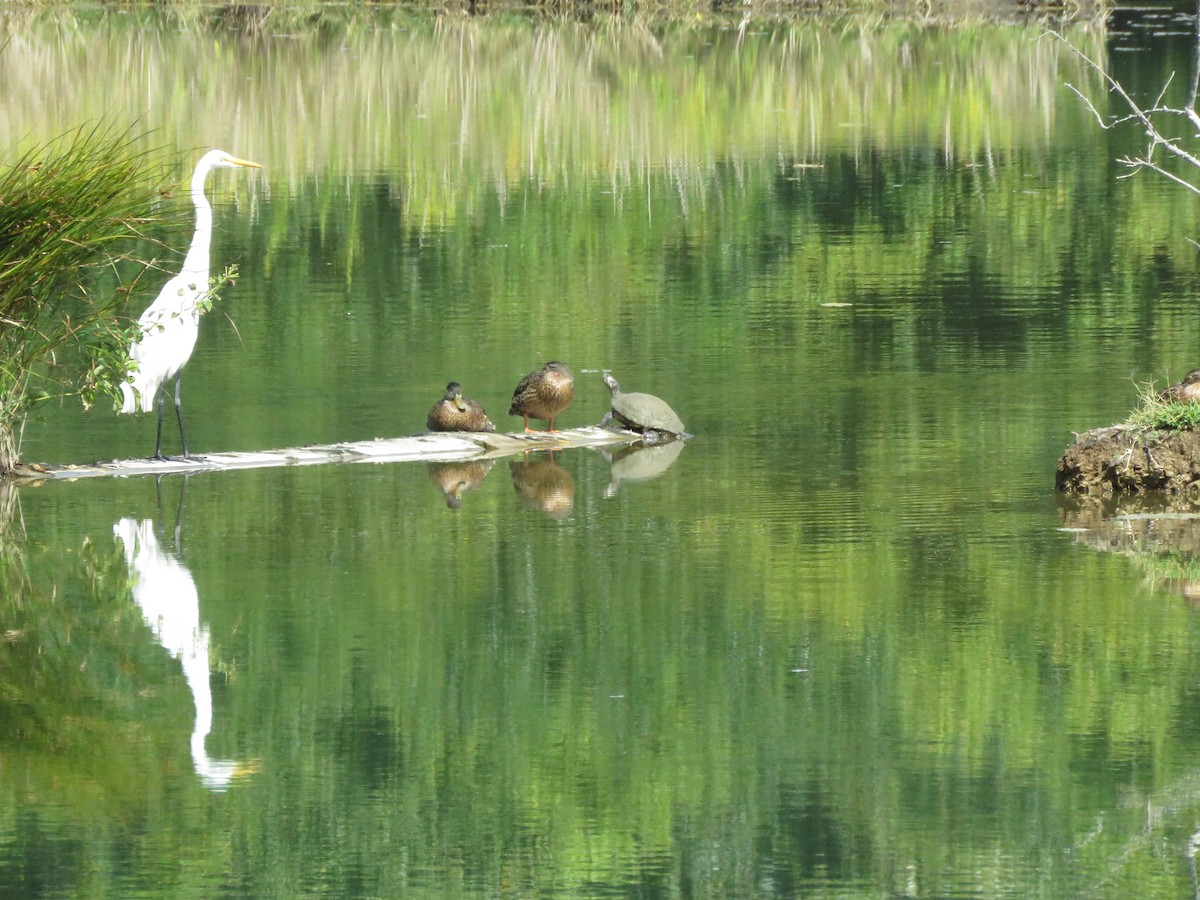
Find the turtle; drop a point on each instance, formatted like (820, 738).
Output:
(455, 413)
(643, 412)
(543, 394)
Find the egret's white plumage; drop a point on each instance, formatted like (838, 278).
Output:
(170, 324)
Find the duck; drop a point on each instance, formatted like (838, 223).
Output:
(1188, 389)
(456, 413)
(543, 394)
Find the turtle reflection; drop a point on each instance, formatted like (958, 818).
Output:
(544, 485)
(454, 479)
(641, 462)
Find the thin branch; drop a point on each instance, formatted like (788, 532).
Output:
(1145, 117)
(1091, 108)
(1155, 167)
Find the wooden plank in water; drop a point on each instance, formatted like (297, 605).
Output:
(439, 446)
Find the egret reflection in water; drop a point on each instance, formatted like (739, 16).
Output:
(166, 594)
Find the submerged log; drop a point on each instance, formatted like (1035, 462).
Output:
(1130, 459)
(433, 447)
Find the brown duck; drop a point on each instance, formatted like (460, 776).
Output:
(456, 413)
(1188, 389)
(543, 394)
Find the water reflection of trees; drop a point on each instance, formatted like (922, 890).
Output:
(565, 100)
(76, 674)
(84, 717)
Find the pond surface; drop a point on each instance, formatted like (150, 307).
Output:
(836, 646)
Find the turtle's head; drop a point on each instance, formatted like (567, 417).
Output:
(611, 382)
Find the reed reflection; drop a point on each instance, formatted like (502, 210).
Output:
(544, 485)
(165, 591)
(640, 462)
(454, 479)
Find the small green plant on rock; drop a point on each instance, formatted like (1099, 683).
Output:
(1160, 411)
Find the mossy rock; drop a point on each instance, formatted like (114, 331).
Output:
(1130, 459)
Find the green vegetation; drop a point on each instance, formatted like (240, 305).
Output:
(479, 721)
(1163, 412)
(274, 15)
(70, 213)
(687, 690)
(627, 99)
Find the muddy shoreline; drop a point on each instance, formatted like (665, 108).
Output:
(1129, 459)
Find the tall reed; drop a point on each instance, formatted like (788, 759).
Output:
(71, 214)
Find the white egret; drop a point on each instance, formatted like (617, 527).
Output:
(170, 324)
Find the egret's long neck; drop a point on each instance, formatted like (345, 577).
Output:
(196, 261)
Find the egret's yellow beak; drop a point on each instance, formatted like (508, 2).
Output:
(247, 767)
(244, 162)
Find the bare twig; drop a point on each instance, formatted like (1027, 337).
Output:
(1146, 117)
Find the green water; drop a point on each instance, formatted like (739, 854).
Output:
(837, 647)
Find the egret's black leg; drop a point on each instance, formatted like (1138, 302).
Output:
(179, 511)
(179, 416)
(158, 438)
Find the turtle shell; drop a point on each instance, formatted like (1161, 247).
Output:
(643, 412)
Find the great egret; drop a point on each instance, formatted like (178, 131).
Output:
(543, 394)
(170, 324)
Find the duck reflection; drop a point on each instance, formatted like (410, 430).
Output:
(166, 594)
(454, 479)
(641, 462)
(544, 485)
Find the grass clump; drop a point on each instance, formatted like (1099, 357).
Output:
(71, 211)
(1163, 411)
